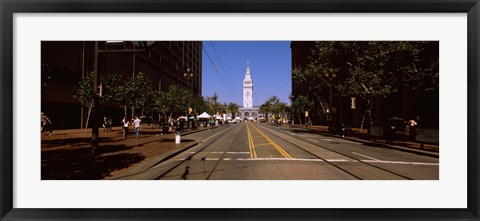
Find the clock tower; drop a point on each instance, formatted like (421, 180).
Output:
(247, 89)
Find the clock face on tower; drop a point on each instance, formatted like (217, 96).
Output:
(247, 93)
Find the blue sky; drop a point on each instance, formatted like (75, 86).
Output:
(225, 63)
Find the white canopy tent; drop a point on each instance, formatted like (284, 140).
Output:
(204, 115)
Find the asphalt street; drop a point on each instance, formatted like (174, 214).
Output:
(251, 151)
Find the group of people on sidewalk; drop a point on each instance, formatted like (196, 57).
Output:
(126, 124)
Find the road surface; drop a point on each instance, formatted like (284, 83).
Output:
(253, 151)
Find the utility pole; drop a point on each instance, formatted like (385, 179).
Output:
(95, 102)
(97, 86)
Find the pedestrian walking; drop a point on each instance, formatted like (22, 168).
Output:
(107, 124)
(411, 127)
(46, 125)
(125, 125)
(137, 122)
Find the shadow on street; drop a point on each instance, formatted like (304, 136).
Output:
(80, 164)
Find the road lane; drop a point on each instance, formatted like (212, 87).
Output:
(249, 151)
(402, 163)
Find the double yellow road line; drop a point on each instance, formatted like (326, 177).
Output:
(253, 153)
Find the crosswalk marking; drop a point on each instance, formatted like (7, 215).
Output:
(366, 156)
(312, 160)
(223, 152)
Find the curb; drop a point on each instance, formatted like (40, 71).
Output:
(160, 158)
(154, 161)
(400, 148)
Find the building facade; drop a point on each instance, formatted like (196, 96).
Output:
(248, 111)
(65, 63)
(402, 104)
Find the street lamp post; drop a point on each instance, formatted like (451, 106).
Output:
(97, 89)
(189, 76)
(330, 76)
(291, 111)
(94, 110)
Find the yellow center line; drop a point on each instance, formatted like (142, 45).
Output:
(253, 153)
(281, 150)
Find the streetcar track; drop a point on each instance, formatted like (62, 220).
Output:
(333, 162)
(327, 161)
(192, 154)
(176, 164)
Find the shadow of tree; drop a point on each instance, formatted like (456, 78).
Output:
(80, 164)
(371, 144)
(303, 131)
(80, 141)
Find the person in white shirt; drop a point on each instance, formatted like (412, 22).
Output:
(125, 125)
(137, 122)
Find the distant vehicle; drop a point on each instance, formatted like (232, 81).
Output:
(232, 121)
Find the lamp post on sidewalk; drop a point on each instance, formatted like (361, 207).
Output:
(189, 76)
(97, 86)
(330, 75)
(95, 101)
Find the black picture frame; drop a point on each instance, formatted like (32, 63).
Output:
(9, 7)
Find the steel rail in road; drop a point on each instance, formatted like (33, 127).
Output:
(296, 142)
(271, 131)
(165, 169)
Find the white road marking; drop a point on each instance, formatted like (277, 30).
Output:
(366, 156)
(400, 162)
(223, 152)
(316, 141)
(312, 160)
(230, 152)
(256, 159)
(277, 159)
(210, 159)
(338, 160)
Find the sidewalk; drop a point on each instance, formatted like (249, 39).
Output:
(67, 154)
(400, 143)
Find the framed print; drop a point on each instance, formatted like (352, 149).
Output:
(30, 191)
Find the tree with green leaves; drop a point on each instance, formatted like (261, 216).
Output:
(214, 104)
(265, 109)
(199, 105)
(274, 106)
(174, 102)
(233, 108)
(136, 93)
(368, 69)
(300, 105)
(85, 90)
(110, 90)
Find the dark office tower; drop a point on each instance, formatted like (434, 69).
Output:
(65, 63)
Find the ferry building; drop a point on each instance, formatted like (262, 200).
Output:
(248, 111)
